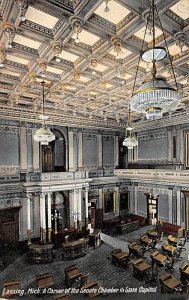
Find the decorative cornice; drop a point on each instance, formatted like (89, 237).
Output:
(15, 64)
(102, 21)
(174, 17)
(9, 130)
(126, 20)
(9, 170)
(37, 27)
(25, 48)
(10, 203)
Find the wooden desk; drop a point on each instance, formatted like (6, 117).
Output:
(141, 266)
(44, 281)
(75, 249)
(169, 249)
(172, 282)
(120, 258)
(136, 249)
(127, 227)
(158, 257)
(146, 240)
(153, 234)
(184, 271)
(172, 240)
(11, 288)
(92, 289)
(62, 296)
(39, 253)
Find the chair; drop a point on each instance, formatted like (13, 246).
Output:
(11, 288)
(74, 277)
(44, 281)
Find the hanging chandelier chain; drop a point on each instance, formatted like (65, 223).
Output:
(167, 49)
(141, 50)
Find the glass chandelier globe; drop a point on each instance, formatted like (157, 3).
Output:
(155, 97)
(130, 142)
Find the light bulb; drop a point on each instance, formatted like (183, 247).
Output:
(22, 18)
(9, 46)
(106, 9)
(42, 75)
(77, 41)
(58, 60)
(93, 72)
(1, 65)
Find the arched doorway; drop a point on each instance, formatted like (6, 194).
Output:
(54, 154)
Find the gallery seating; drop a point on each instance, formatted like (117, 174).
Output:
(44, 281)
(11, 288)
(74, 277)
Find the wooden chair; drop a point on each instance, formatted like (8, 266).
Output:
(11, 288)
(44, 281)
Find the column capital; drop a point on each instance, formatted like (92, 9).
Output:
(29, 195)
(42, 195)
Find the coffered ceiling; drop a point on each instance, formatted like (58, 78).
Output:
(77, 91)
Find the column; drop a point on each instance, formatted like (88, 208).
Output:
(170, 202)
(23, 150)
(131, 199)
(116, 151)
(186, 195)
(117, 199)
(178, 143)
(130, 156)
(170, 144)
(71, 151)
(135, 150)
(36, 224)
(49, 197)
(36, 153)
(79, 209)
(75, 208)
(178, 208)
(80, 150)
(43, 218)
(136, 197)
(86, 207)
(29, 218)
(99, 145)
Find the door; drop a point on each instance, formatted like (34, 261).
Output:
(48, 158)
(152, 209)
(9, 226)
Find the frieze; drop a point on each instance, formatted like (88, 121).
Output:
(25, 48)
(153, 190)
(57, 26)
(15, 64)
(93, 193)
(98, 44)
(175, 17)
(9, 130)
(10, 203)
(38, 27)
(154, 162)
(9, 195)
(126, 20)
(11, 77)
(81, 45)
(9, 169)
(152, 136)
(107, 138)
(102, 21)
(89, 137)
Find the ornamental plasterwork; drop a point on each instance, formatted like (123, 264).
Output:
(9, 129)
(96, 40)
(10, 203)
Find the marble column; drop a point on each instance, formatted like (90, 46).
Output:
(80, 150)
(116, 151)
(170, 203)
(136, 198)
(49, 197)
(71, 151)
(79, 209)
(178, 143)
(186, 195)
(23, 150)
(29, 232)
(178, 208)
(86, 207)
(75, 212)
(36, 154)
(99, 146)
(43, 218)
(170, 144)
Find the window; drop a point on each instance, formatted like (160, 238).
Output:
(108, 202)
(124, 201)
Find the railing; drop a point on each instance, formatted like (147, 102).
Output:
(152, 174)
(59, 176)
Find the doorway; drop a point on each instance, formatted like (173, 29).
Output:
(152, 209)
(54, 154)
(9, 226)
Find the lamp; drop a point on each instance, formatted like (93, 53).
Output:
(44, 135)
(155, 96)
(107, 9)
(130, 140)
(22, 4)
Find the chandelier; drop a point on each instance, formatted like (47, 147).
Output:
(155, 96)
(130, 140)
(44, 135)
